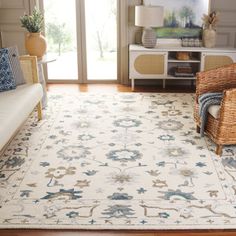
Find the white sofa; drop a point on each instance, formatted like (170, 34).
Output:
(16, 105)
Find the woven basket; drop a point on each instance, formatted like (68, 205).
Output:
(223, 79)
(182, 56)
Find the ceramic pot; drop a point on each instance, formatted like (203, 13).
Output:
(35, 44)
(209, 37)
(149, 38)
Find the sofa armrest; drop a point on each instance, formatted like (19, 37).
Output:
(30, 68)
(216, 80)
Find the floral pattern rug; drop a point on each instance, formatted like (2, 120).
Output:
(116, 161)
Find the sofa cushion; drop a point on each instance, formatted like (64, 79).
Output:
(7, 81)
(214, 110)
(15, 107)
(15, 65)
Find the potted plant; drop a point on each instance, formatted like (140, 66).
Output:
(35, 42)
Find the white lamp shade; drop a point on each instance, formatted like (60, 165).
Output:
(149, 16)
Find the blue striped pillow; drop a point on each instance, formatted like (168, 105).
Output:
(15, 64)
(7, 81)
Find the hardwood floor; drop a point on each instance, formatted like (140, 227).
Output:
(115, 88)
(113, 233)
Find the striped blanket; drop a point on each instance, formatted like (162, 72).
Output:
(205, 101)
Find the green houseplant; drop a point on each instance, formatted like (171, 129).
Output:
(35, 42)
(33, 23)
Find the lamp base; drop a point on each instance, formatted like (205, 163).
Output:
(149, 38)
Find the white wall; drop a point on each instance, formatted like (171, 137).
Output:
(11, 31)
(226, 31)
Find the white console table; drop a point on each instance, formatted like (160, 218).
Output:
(160, 62)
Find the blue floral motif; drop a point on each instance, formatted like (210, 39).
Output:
(164, 215)
(17, 150)
(124, 155)
(92, 221)
(72, 214)
(161, 164)
(141, 190)
(2, 176)
(229, 162)
(71, 194)
(138, 144)
(44, 164)
(177, 193)
(200, 164)
(7, 81)
(85, 137)
(25, 193)
(119, 211)
(143, 222)
(13, 162)
(120, 196)
(166, 137)
(162, 102)
(70, 153)
(112, 144)
(127, 123)
(90, 172)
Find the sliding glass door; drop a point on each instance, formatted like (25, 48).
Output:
(82, 37)
(60, 31)
(101, 39)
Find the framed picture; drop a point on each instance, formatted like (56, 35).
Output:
(182, 18)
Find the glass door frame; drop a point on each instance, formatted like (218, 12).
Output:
(81, 46)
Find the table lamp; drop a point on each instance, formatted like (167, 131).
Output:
(148, 17)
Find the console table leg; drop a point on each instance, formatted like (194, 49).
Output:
(132, 84)
(164, 83)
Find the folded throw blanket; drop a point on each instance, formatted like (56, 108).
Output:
(205, 101)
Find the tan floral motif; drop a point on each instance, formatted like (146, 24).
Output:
(185, 172)
(175, 152)
(120, 178)
(60, 172)
(82, 183)
(153, 172)
(159, 183)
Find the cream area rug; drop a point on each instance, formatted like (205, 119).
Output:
(116, 161)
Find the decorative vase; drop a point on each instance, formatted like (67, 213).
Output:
(209, 37)
(149, 38)
(35, 44)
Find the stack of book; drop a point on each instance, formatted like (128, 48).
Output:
(184, 71)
